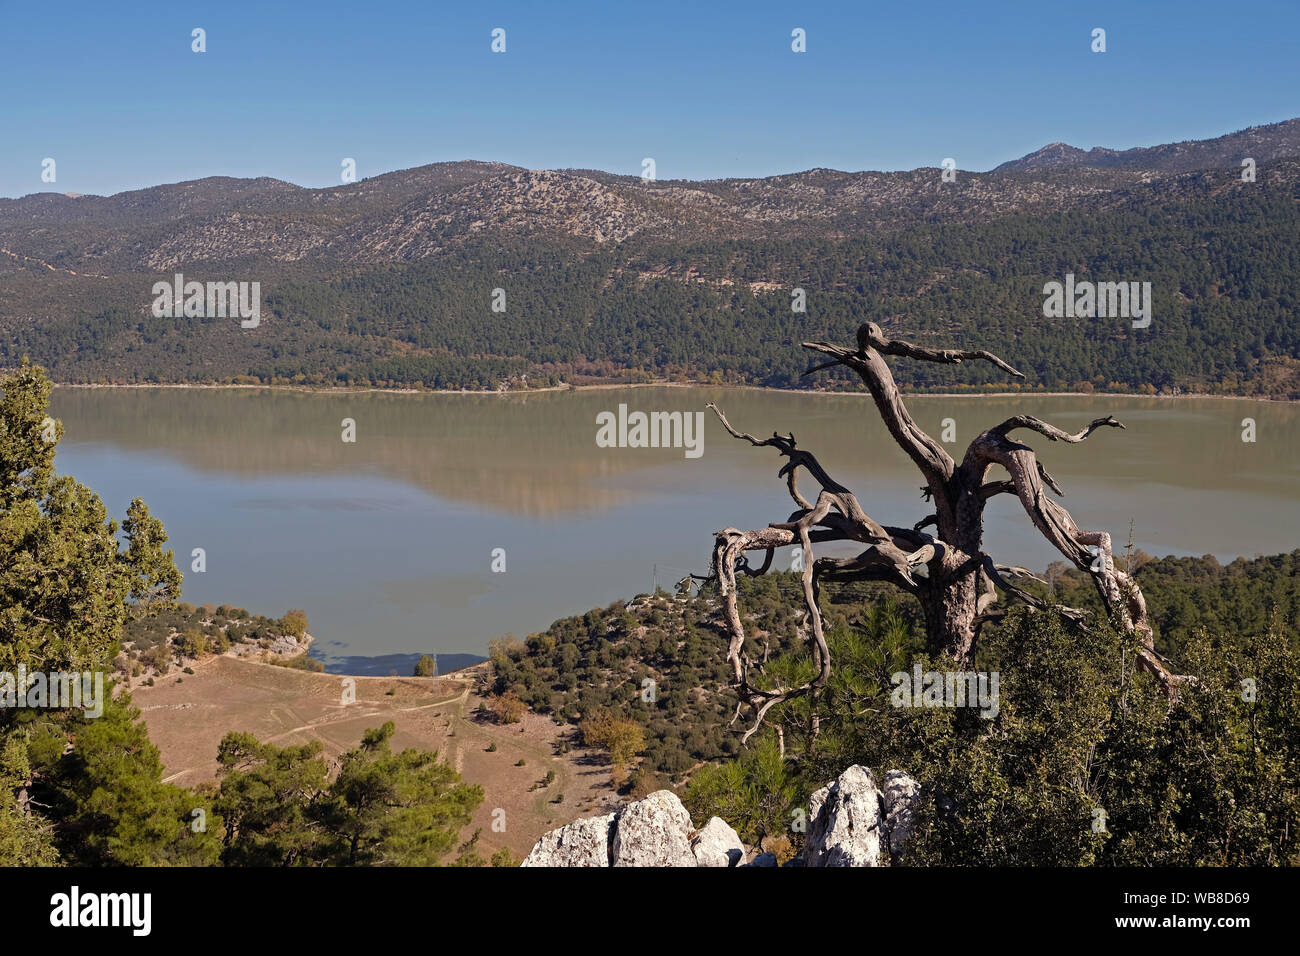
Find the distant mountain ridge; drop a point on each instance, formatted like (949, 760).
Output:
(413, 213)
(386, 280)
(1260, 143)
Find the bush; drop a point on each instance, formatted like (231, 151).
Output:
(1079, 737)
(192, 643)
(622, 740)
(294, 623)
(159, 658)
(509, 709)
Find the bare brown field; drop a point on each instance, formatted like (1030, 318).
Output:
(187, 720)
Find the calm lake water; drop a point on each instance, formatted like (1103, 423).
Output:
(388, 543)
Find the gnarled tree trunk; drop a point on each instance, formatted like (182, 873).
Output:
(949, 605)
(958, 590)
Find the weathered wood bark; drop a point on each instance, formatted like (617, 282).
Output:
(958, 592)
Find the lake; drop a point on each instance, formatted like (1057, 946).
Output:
(389, 542)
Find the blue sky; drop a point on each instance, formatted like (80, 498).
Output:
(114, 94)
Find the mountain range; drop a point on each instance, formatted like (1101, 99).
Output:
(389, 280)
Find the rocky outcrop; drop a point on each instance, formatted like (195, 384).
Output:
(853, 822)
(653, 832)
(846, 822)
(583, 842)
(856, 823)
(899, 799)
(716, 844)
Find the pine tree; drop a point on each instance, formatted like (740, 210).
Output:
(68, 587)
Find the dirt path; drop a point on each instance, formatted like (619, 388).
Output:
(42, 262)
(281, 705)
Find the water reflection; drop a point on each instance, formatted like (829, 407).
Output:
(387, 542)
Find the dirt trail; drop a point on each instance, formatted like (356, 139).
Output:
(281, 705)
(42, 262)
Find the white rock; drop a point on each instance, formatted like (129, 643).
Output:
(846, 827)
(716, 844)
(900, 797)
(583, 842)
(654, 831)
(853, 823)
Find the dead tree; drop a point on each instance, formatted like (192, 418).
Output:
(959, 588)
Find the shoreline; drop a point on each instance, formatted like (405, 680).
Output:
(266, 657)
(347, 390)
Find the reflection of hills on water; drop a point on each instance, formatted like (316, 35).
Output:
(384, 665)
(536, 454)
(528, 454)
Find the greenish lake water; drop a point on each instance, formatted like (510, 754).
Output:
(388, 542)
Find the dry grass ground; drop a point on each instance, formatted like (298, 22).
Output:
(187, 720)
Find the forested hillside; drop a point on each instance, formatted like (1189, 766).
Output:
(598, 662)
(391, 281)
(1210, 778)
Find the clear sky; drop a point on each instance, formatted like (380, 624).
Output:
(112, 92)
